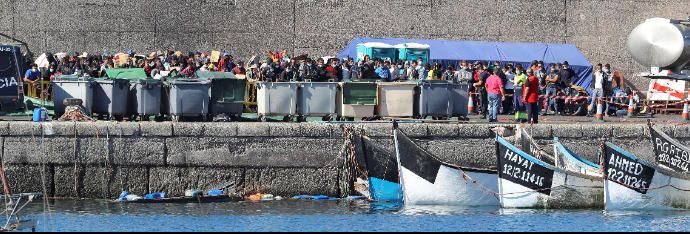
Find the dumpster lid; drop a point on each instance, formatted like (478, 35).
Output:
(130, 73)
(146, 81)
(215, 75)
(106, 80)
(72, 78)
(188, 80)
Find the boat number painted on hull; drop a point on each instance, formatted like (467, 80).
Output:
(628, 172)
(516, 168)
(669, 154)
(518, 173)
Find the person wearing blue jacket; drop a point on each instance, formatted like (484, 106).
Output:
(384, 71)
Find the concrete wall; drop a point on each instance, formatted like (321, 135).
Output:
(323, 27)
(99, 160)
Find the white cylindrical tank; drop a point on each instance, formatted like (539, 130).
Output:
(661, 43)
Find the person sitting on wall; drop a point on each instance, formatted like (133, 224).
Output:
(31, 76)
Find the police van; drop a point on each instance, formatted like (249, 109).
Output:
(11, 68)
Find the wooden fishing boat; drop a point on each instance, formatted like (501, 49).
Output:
(426, 180)
(381, 175)
(567, 160)
(668, 152)
(635, 184)
(527, 182)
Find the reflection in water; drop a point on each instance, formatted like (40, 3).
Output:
(87, 215)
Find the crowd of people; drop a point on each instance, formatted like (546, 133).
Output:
(526, 92)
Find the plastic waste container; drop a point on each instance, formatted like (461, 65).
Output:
(189, 98)
(65, 87)
(357, 99)
(317, 99)
(435, 99)
(227, 94)
(276, 99)
(145, 98)
(459, 95)
(396, 99)
(110, 98)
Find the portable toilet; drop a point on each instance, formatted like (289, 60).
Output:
(376, 50)
(413, 51)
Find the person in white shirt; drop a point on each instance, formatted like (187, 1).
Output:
(598, 85)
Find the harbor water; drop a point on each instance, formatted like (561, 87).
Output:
(90, 215)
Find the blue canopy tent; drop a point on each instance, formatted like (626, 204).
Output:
(447, 52)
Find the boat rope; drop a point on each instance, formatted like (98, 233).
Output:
(47, 210)
(76, 159)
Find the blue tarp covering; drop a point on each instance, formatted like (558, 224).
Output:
(447, 52)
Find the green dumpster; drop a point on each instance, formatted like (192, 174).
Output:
(227, 94)
(357, 99)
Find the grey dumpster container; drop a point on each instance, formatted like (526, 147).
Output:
(317, 100)
(110, 97)
(72, 87)
(396, 99)
(459, 94)
(189, 98)
(357, 99)
(435, 99)
(276, 99)
(145, 97)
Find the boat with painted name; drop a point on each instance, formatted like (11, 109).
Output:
(528, 182)
(635, 184)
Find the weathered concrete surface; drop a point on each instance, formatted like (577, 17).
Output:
(598, 27)
(102, 159)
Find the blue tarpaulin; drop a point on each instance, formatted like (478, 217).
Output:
(447, 52)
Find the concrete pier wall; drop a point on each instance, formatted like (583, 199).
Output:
(99, 160)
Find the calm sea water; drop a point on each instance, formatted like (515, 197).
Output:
(335, 216)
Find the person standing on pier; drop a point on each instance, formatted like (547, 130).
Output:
(519, 82)
(496, 94)
(531, 97)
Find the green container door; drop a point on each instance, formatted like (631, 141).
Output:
(356, 93)
(357, 100)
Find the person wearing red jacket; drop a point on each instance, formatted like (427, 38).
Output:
(531, 97)
(333, 71)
